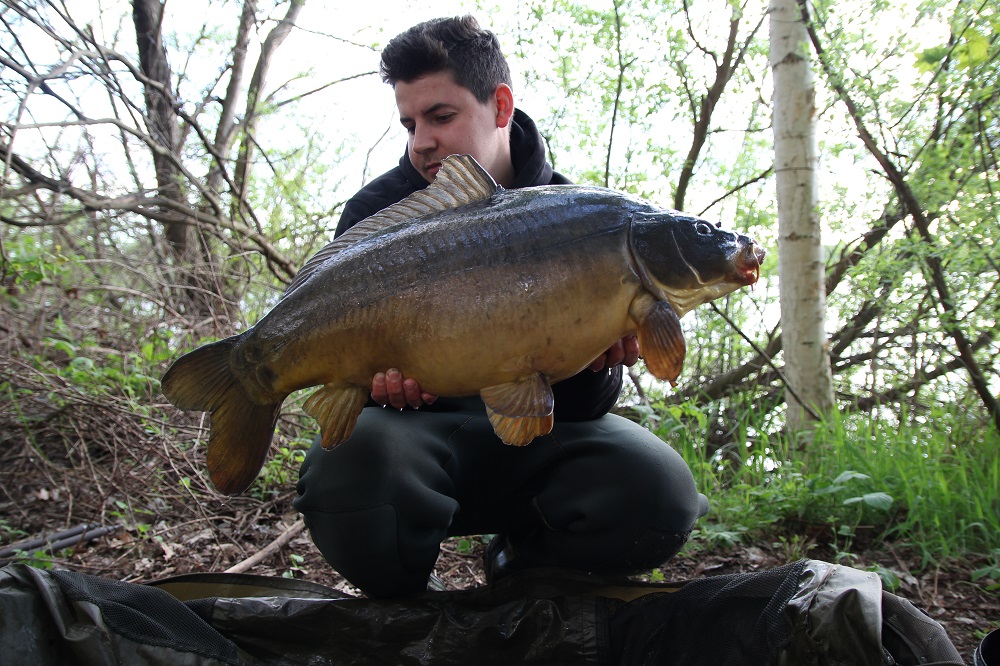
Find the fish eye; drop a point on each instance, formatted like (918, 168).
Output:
(703, 228)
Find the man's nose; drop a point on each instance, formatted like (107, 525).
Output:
(423, 139)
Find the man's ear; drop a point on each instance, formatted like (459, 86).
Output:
(504, 98)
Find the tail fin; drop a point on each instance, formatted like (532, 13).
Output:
(241, 429)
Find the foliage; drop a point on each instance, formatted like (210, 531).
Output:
(9, 534)
(280, 471)
(990, 571)
(885, 478)
(294, 566)
(667, 100)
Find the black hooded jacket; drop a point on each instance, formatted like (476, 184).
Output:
(586, 395)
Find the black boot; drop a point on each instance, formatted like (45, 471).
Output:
(499, 560)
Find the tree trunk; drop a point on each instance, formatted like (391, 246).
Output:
(202, 289)
(227, 119)
(161, 119)
(800, 251)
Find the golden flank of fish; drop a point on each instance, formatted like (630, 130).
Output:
(470, 289)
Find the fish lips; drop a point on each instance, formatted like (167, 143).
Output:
(747, 262)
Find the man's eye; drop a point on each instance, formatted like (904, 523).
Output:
(444, 118)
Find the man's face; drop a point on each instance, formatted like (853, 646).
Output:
(443, 118)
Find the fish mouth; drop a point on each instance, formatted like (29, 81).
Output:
(747, 264)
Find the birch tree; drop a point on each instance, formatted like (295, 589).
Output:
(800, 253)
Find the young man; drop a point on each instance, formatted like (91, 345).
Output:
(599, 493)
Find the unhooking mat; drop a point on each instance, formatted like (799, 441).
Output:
(809, 612)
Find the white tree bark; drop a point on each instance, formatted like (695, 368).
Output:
(800, 251)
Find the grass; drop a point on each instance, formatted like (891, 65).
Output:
(930, 482)
(942, 472)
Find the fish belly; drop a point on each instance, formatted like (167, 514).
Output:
(489, 326)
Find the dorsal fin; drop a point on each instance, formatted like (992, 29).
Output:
(460, 181)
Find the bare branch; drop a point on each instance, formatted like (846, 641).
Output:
(155, 208)
(731, 60)
(227, 126)
(622, 68)
(760, 352)
(763, 175)
(254, 92)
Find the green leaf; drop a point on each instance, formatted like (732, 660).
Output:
(976, 48)
(29, 277)
(879, 500)
(890, 581)
(82, 363)
(850, 475)
(928, 59)
(65, 347)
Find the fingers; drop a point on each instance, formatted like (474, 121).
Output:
(600, 363)
(610, 358)
(631, 344)
(623, 352)
(390, 388)
(380, 393)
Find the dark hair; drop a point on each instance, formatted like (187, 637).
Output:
(457, 45)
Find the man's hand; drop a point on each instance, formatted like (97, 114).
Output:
(623, 352)
(389, 388)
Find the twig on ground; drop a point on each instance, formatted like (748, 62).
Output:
(269, 549)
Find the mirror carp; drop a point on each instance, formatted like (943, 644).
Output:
(471, 289)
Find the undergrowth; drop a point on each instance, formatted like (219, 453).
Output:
(929, 482)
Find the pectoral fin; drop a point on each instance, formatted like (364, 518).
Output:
(661, 340)
(520, 411)
(337, 409)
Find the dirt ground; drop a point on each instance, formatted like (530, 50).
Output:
(167, 520)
